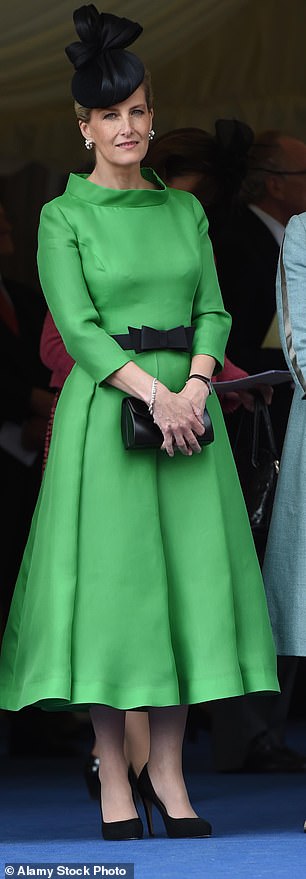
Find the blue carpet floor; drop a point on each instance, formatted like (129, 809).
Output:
(47, 817)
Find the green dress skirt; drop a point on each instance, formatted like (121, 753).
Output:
(139, 584)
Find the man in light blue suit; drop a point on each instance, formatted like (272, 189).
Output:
(285, 559)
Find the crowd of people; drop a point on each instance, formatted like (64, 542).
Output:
(136, 549)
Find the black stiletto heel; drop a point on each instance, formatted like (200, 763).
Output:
(148, 813)
(175, 827)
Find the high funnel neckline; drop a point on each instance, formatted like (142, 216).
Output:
(80, 187)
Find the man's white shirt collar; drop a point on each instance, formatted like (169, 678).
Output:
(276, 228)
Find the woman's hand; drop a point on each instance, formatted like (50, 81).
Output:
(179, 417)
(266, 391)
(197, 392)
(247, 398)
(233, 399)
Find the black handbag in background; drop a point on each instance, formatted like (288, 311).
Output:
(258, 474)
(139, 431)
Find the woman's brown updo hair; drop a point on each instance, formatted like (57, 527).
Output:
(83, 113)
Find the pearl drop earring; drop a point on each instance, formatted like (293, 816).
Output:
(151, 134)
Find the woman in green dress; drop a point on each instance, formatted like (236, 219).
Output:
(139, 584)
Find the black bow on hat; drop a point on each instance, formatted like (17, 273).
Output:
(106, 73)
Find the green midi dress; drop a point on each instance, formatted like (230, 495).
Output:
(139, 584)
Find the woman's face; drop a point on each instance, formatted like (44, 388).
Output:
(121, 133)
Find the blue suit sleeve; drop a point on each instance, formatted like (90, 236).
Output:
(291, 299)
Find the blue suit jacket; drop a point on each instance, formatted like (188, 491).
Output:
(285, 559)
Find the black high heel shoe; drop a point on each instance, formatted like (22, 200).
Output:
(116, 831)
(176, 828)
(91, 775)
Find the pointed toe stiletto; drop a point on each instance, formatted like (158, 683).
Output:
(122, 830)
(176, 828)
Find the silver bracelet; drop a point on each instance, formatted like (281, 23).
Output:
(153, 395)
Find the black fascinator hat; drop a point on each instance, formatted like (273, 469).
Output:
(106, 73)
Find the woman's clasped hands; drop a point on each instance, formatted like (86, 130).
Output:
(180, 417)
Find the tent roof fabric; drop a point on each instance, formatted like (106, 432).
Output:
(208, 58)
(34, 67)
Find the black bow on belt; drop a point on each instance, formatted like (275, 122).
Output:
(149, 339)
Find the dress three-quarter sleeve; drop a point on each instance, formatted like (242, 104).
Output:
(291, 299)
(67, 296)
(209, 317)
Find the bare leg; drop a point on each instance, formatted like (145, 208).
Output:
(137, 739)
(167, 727)
(94, 750)
(116, 796)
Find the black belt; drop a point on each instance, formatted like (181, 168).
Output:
(148, 339)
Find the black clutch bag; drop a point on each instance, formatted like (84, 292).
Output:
(139, 431)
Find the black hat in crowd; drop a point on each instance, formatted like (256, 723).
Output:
(105, 72)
